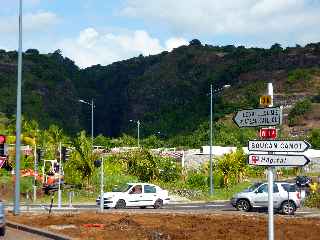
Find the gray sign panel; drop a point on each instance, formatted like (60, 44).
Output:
(259, 117)
(278, 146)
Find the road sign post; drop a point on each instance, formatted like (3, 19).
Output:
(272, 160)
(259, 117)
(278, 146)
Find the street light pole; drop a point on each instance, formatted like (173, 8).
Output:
(138, 123)
(92, 121)
(18, 119)
(211, 132)
(92, 107)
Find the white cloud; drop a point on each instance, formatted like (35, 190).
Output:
(271, 19)
(93, 47)
(31, 22)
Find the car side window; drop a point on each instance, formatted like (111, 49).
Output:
(149, 189)
(263, 188)
(275, 188)
(137, 189)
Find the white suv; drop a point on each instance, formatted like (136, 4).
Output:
(2, 220)
(135, 195)
(286, 197)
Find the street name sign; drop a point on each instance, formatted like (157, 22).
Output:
(265, 100)
(258, 117)
(278, 146)
(278, 160)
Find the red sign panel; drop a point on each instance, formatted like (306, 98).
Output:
(268, 133)
(2, 160)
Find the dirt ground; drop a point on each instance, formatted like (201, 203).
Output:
(169, 226)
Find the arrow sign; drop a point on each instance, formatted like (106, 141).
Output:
(259, 117)
(278, 146)
(278, 160)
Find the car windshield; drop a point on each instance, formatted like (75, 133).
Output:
(121, 188)
(253, 187)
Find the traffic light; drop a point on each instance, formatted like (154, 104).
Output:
(3, 145)
(39, 154)
(64, 154)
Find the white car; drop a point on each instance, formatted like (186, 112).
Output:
(135, 195)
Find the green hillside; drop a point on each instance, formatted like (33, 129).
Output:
(167, 92)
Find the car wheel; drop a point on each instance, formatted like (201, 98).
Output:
(143, 207)
(2, 231)
(120, 204)
(243, 205)
(158, 204)
(288, 208)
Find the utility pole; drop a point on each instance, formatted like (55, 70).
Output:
(211, 133)
(35, 174)
(92, 106)
(138, 123)
(59, 185)
(18, 118)
(270, 184)
(101, 188)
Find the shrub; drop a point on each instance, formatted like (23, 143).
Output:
(313, 200)
(300, 108)
(197, 180)
(298, 75)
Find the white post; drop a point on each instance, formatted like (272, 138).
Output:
(59, 186)
(35, 172)
(270, 184)
(211, 135)
(101, 190)
(18, 119)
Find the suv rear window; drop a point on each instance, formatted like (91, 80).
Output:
(289, 187)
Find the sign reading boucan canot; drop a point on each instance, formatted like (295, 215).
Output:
(277, 160)
(278, 146)
(259, 117)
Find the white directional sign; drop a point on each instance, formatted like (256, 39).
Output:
(277, 160)
(259, 117)
(278, 146)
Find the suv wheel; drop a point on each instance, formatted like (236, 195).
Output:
(158, 204)
(120, 204)
(288, 208)
(2, 231)
(243, 205)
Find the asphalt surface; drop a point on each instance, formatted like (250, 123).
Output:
(13, 234)
(192, 207)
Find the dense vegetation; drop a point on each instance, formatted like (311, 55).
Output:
(168, 92)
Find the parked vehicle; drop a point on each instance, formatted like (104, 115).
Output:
(286, 197)
(303, 181)
(2, 220)
(135, 195)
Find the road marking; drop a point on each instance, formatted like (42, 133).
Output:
(216, 205)
(189, 206)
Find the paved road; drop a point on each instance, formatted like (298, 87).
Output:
(13, 234)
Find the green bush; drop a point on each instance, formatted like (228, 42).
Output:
(299, 109)
(315, 138)
(197, 180)
(298, 75)
(313, 200)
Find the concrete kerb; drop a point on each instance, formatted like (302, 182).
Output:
(37, 231)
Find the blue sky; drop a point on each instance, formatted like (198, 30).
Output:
(103, 31)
